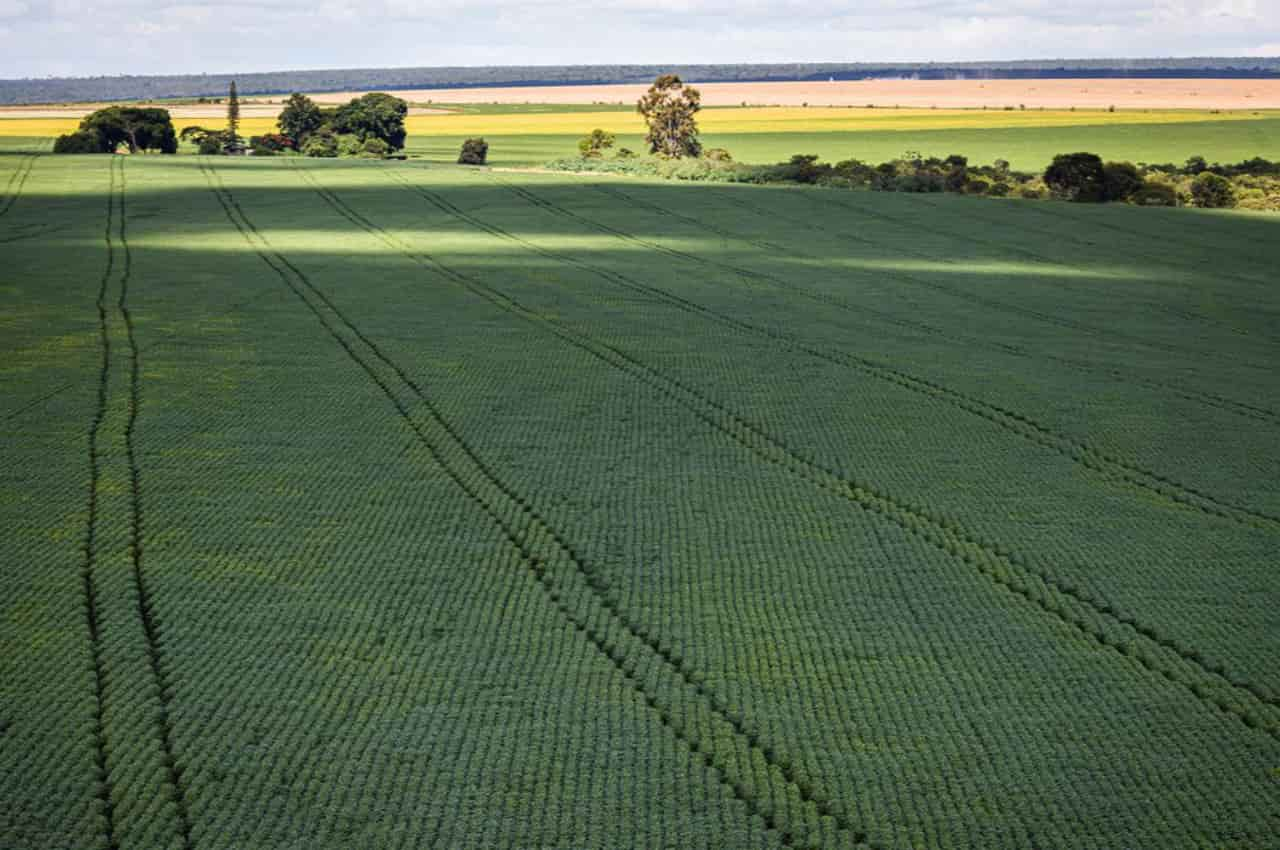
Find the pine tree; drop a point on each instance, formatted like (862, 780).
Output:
(233, 114)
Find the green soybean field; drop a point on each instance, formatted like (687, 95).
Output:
(377, 505)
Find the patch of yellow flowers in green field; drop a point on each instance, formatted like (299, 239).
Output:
(754, 119)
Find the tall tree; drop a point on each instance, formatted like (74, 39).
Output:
(300, 118)
(376, 115)
(233, 113)
(668, 108)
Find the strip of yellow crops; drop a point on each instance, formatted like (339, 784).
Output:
(729, 120)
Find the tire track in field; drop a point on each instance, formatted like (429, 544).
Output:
(539, 546)
(1097, 461)
(840, 199)
(1037, 585)
(20, 175)
(111, 453)
(106, 805)
(1208, 399)
(146, 605)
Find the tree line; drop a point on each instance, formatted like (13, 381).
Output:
(97, 89)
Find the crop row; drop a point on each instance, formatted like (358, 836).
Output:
(966, 340)
(747, 766)
(1037, 584)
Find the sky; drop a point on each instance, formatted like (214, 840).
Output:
(95, 37)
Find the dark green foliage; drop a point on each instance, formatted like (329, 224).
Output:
(957, 178)
(233, 112)
(596, 143)
(1077, 177)
(668, 109)
(1195, 165)
(140, 128)
(374, 148)
(624, 153)
(300, 118)
(322, 143)
(1212, 191)
(1120, 180)
(270, 144)
(81, 141)
(854, 172)
(376, 115)
(474, 152)
(1152, 194)
(717, 155)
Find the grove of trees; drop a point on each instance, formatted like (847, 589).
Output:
(142, 129)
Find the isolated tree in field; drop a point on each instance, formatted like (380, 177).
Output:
(594, 145)
(668, 108)
(1077, 177)
(474, 152)
(300, 118)
(233, 112)
(142, 129)
(376, 115)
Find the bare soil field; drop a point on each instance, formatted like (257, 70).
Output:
(1051, 94)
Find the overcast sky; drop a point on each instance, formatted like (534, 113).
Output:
(93, 37)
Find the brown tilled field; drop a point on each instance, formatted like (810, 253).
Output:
(1051, 94)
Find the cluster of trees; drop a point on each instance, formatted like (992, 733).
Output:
(1078, 177)
(142, 129)
(368, 126)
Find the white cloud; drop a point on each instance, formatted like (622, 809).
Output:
(190, 36)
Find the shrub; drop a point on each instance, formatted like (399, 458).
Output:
(976, 187)
(81, 141)
(717, 155)
(1152, 194)
(349, 144)
(474, 152)
(956, 179)
(322, 143)
(594, 145)
(802, 168)
(855, 172)
(1212, 191)
(374, 148)
(1077, 177)
(1195, 165)
(1120, 180)
(211, 145)
(270, 144)
(624, 153)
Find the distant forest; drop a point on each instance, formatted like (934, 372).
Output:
(63, 90)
